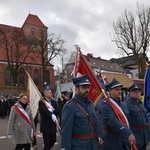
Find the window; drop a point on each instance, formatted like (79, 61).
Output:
(21, 76)
(47, 77)
(32, 31)
(7, 77)
(36, 77)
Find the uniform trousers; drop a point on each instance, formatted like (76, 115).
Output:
(49, 140)
(21, 146)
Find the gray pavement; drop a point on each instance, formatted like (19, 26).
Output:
(7, 144)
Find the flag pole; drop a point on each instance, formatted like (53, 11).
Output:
(147, 64)
(41, 96)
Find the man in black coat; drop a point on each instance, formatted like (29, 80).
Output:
(48, 111)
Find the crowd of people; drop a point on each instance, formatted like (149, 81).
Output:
(111, 124)
(6, 102)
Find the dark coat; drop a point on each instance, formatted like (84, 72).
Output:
(138, 118)
(3, 106)
(115, 135)
(61, 102)
(47, 125)
(75, 122)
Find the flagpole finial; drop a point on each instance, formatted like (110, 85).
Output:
(77, 47)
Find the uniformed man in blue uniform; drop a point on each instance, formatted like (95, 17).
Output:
(116, 135)
(138, 118)
(78, 130)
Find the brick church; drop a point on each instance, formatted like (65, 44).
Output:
(31, 27)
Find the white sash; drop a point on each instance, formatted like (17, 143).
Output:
(25, 116)
(50, 107)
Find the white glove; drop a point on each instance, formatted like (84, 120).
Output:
(9, 136)
(54, 118)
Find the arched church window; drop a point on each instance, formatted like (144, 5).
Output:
(36, 77)
(33, 31)
(21, 76)
(7, 77)
(47, 77)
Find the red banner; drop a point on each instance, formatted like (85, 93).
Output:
(82, 67)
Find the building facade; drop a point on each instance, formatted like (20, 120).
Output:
(32, 27)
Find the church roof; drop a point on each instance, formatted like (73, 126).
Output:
(32, 58)
(34, 20)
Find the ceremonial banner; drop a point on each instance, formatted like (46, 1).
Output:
(147, 93)
(103, 80)
(81, 68)
(147, 89)
(58, 92)
(34, 95)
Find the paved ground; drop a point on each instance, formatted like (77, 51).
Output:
(7, 144)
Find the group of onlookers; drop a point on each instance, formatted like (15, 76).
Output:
(5, 105)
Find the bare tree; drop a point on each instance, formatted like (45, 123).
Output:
(64, 59)
(47, 48)
(132, 35)
(16, 49)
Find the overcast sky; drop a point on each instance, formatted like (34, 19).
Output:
(87, 23)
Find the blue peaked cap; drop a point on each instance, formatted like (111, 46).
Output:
(134, 86)
(82, 80)
(113, 84)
